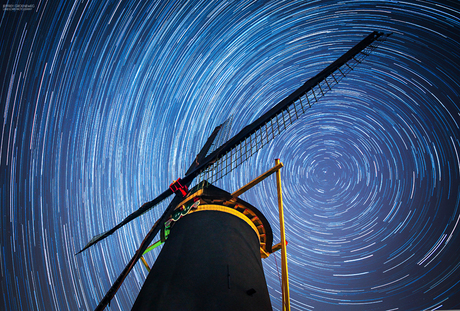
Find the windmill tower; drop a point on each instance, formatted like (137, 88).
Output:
(211, 259)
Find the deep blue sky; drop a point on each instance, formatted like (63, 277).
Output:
(104, 104)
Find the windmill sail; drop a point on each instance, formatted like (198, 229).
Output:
(144, 245)
(250, 139)
(256, 135)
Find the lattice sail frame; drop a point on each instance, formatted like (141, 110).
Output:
(272, 128)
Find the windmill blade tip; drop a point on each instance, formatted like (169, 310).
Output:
(93, 241)
(80, 251)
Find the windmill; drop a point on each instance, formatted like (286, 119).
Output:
(214, 161)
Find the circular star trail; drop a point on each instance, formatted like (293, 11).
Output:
(105, 104)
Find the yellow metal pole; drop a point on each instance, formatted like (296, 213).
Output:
(254, 182)
(145, 264)
(285, 277)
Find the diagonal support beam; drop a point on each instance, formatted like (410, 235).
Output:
(257, 180)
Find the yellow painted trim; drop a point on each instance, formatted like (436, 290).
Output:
(263, 253)
(254, 182)
(220, 208)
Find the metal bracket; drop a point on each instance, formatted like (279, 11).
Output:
(177, 186)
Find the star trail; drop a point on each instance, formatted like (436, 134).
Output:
(104, 104)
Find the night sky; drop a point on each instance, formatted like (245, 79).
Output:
(105, 103)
